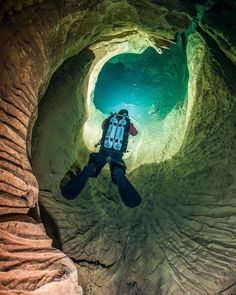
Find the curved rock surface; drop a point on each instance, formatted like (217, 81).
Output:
(29, 263)
(182, 239)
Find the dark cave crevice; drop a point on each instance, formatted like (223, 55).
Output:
(96, 263)
(51, 226)
(224, 63)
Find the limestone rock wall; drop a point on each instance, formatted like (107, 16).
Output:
(182, 238)
(48, 34)
(193, 192)
(28, 58)
(63, 113)
(29, 263)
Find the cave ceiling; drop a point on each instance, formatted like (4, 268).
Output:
(182, 238)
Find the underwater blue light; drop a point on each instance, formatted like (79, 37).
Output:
(148, 84)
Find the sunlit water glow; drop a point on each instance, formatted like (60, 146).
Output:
(149, 85)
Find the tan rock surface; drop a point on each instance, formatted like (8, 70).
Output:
(182, 239)
(29, 263)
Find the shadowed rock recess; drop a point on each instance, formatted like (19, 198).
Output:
(182, 239)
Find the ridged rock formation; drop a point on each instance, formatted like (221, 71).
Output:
(28, 262)
(181, 240)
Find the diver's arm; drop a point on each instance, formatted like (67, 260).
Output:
(132, 130)
(104, 123)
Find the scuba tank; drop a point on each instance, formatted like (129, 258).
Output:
(119, 134)
(111, 132)
(116, 132)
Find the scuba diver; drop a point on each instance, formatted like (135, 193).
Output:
(113, 144)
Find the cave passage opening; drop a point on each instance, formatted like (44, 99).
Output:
(149, 84)
(154, 89)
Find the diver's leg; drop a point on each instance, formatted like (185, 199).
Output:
(99, 163)
(117, 163)
(128, 193)
(76, 184)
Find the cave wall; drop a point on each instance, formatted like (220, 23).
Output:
(36, 41)
(186, 220)
(57, 140)
(193, 192)
(41, 37)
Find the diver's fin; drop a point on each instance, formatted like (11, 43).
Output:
(128, 193)
(76, 184)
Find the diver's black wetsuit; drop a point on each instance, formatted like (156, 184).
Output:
(98, 160)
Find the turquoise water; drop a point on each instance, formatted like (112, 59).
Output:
(149, 85)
